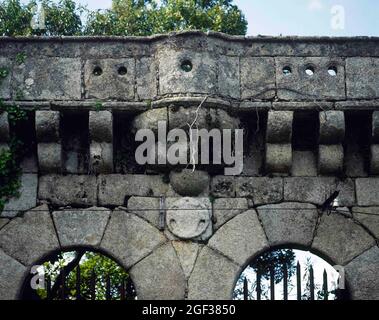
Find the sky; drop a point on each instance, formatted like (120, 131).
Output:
(301, 17)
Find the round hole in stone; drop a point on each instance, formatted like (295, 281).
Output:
(97, 71)
(310, 71)
(186, 66)
(122, 71)
(287, 70)
(332, 70)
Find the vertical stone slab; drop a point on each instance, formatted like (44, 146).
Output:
(331, 136)
(101, 136)
(4, 131)
(49, 147)
(374, 149)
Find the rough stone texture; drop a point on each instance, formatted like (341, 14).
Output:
(189, 218)
(223, 186)
(362, 274)
(332, 127)
(213, 277)
(166, 280)
(173, 79)
(340, 239)
(81, 227)
(129, 238)
(101, 157)
(257, 78)
(30, 237)
(101, 126)
(146, 208)
(75, 190)
(11, 277)
(241, 238)
(369, 217)
(362, 78)
(279, 126)
(3, 222)
(228, 76)
(27, 199)
(374, 159)
(5, 83)
(149, 119)
(367, 190)
(278, 158)
(299, 85)
(317, 189)
(50, 157)
(110, 84)
(47, 126)
(261, 190)
(225, 209)
(146, 78)
(375, 127)
(189, 182)
(48, 78)
(330, 159)
(304, 164)
(289, 223)
(4, 127)
(187, 254)
(114, 188)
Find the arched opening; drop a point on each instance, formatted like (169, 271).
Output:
(285, 273)
(78, 274)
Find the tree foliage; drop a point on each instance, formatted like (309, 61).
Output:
(124, 18)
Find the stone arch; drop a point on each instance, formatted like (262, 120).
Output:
(250, 233)
(131, 241)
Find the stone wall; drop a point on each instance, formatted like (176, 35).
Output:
(310, 111)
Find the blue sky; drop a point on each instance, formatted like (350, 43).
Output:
(300, 17)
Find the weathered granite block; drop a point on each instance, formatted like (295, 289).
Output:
(130, 238)
(74, 190)
(316, 85)
(257, 78)
(229, 76)
(374, 159)
(50, 157)
(146, 78)
(146, 208)
(289, 222)
(278, 158)
(115, 188)
(186, 71)
(27, 198)
(362, 78)
(223, 186)
(101, 157)
(101, 126)
(317, 189)
(330, 159)
(12, 275)
(187, 253)
(279, 126)
(240, 238)
(47, 126)
(189, 183)
(165, 272)
(332, 127)
(262, 190)
(225, 209)
(210, 267)
(30, 237)
(81, 227)
(362, 274)
(369, 217)
(367, 190)
(5, 82)
(304, 164)
(340, 239)
(110, 78)
(48, 78)
(149, 119)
